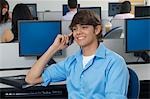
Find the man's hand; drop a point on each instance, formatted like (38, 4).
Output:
(61, 41)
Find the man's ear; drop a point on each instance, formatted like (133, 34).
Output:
(98, 29)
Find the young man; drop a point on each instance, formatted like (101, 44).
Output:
(72, 6)
(94, 72)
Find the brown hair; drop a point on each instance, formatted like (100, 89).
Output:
(125, 7)
(86, 17)
(20, 12)
(4, 18)
(72, 4)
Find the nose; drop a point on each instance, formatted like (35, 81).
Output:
(78, 31)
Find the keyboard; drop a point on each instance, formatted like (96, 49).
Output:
(15, 81)
(51, 91)
(19, 77)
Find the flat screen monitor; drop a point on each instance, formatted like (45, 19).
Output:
(65, 8)
(137, 34)
(114, 8)
(142, 11)
(97, 10)
(33, 9)
(35, 37)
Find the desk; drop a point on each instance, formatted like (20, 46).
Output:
(35, 92)
(54, 91)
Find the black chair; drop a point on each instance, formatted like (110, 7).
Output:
(134, 85)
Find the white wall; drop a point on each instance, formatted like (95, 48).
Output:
(9, 57)
(56, 5)
(148, 2)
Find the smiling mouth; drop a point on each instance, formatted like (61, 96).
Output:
(80, 38)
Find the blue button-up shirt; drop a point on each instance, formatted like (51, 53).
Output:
(104, 77)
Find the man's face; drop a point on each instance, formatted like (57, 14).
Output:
(85, 35)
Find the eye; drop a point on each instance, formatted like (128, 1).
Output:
(74, 29)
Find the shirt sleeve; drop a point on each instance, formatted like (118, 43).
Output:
(54, 73)
(117, 80)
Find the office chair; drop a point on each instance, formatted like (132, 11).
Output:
(113, 33)
(134, 85)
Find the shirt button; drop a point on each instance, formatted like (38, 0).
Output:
(81, 76)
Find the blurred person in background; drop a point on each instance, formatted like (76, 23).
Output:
(125, 11)
(20, 12)
(5, 18)
(72, 6)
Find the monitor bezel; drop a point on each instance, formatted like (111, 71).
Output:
(35, 8)
(141, 7)
(126, 42)
(36, 21)
(109, 7)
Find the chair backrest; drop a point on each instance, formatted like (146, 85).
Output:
(113, 33)
(134, 85)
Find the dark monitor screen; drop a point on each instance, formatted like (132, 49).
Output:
(35, 37)
(97, 10)
(33, 9)
(65, 8)
(142, 11)
(114, 8)
(137, 34)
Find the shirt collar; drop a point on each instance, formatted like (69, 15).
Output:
(100, 52)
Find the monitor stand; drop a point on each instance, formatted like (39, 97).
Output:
(144, 55)
(51, 61)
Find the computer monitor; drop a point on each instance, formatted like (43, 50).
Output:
(137, 34)
(35, 37)
(33, 9)
(65, 8)
(114, 8)
(97, 10)
(142, 11)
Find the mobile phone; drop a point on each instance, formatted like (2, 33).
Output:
(71, 39)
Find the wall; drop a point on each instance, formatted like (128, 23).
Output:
(9, 57)
(148, 2)
(56, 5)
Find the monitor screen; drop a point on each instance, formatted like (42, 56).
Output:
(65, 8)
(35, 37)
(142, 11)
(33, 9)
(114, 8)
(137, 34)
(97, 10)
